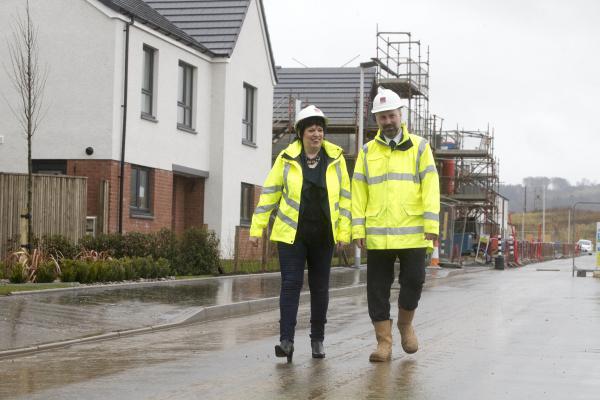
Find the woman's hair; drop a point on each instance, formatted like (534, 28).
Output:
(308, 122)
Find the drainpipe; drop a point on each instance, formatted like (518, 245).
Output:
(124, 134)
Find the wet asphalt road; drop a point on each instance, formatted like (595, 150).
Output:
(516, 334)
(48, 317)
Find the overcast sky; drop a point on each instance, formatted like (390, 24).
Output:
(531, 69)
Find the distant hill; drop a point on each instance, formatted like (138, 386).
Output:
(559, 194)
(583, 225)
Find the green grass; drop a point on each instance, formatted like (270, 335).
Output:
(249, 267)
(9, 288)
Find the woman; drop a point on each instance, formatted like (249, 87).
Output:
(310, 188)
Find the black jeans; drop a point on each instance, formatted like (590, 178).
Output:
(380, 276)
(292, 258)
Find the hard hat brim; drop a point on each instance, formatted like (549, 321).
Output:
(389, 108)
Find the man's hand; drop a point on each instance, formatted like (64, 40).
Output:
(431, 236)
(360, 243)
(253, 241)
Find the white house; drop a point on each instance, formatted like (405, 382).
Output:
(198, 77)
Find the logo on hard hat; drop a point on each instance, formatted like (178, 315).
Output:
(382, 100)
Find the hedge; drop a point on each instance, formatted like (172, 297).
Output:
(114, 270)
(195, 252)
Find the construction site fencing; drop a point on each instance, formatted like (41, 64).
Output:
(521, 252)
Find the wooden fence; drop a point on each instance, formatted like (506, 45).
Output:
(59, 207)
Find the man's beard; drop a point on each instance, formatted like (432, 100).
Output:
(390, 131)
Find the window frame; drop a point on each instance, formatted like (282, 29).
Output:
(246, 221)
(249, 115)
(151, 92)
(49, 167)
(188, 84)
(137, 208)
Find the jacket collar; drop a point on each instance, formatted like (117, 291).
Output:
(405, 144)
(295, 148)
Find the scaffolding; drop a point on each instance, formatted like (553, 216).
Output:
(469, 181)
(469, 174)
(403, 68)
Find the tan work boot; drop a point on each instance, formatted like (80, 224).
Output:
(383, 333)
(407, 333)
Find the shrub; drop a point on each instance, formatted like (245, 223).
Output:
(113, 270)
(135, 244)
(163, 268)
(47, 272)
(3, 272)
(111, 243)
(93, 255)
(84, 271)
(58, 246)
(129, 272)
(68, 270)
(165, 245)
(108, 271)
(18, 273)
(198, 253)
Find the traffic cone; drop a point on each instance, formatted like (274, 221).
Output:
(435, 256)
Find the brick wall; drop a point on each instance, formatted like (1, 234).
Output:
(95, 171)
(166, 191)
(194, 203)
(161, 203)
(245, 251)
(179, 188)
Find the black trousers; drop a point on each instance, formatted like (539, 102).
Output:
(292, 259)
(380, 276)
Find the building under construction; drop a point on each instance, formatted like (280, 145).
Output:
(336, 91)
(472, 208)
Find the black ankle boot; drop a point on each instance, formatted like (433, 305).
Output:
(285, 349)
(318, 351)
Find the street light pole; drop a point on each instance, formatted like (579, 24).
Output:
(544, 214)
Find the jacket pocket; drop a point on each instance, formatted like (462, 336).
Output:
(413, 209)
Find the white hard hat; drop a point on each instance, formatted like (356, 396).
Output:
(308, 112)
(385, 100)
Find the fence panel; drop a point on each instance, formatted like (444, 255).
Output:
(59, 206)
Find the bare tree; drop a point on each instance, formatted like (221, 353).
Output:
(29, 80)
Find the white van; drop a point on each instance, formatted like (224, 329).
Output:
(585, 246)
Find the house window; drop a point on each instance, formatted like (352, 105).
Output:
(49, 167)
(140, 190)
(247, 204)
(248, 116)
(148, 82)
(185, 95)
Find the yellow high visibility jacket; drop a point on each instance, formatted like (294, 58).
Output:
(283, 188)
(395, 194)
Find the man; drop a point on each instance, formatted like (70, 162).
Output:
(395, 213)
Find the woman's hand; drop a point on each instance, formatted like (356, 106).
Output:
(253, 241)
(340, 245)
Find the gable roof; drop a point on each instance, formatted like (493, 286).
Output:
(214, 23)
(145, 14)
(211, 26)
(334, 90)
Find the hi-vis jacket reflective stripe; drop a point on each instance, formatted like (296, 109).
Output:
(395, 194)
(283, 188)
